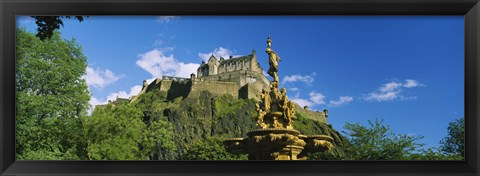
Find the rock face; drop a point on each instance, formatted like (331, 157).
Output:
(223, 116)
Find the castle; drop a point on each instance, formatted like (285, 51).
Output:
(240, 77)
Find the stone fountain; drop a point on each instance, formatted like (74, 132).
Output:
(275, 138)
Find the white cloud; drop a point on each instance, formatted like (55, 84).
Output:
(341, 101)
(307, 79)
(166, 19)
(217, 52)
(409, 83)
(317, 98)
(382, 96)
(99, 78)
(302, 102)
(314, 99)
(391, 86)
(123, 94)
(392, 91)
(158, 63)
(184, 70)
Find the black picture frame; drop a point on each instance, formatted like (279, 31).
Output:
(9, 9)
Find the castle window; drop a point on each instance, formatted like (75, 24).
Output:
(205, 71)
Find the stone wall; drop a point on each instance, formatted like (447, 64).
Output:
(314, 115)
(227, 83)
(215, 87)
(241, 77)
(248, 92)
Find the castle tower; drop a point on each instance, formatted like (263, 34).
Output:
(213, 65)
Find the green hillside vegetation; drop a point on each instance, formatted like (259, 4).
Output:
(208, 120)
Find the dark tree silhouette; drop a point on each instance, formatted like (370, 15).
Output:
(48, 24)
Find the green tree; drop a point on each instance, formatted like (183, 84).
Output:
(161, 131)
(433, 154)
(118, 132)
(51, 97)
(160, 140)
(454, 143)
(379, 142)
(114, 133)
(209, 149)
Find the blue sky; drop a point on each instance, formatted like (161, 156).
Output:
(407, 70)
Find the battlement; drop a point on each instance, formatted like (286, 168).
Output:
(179, 79)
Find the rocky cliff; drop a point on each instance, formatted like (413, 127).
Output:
(219, 117)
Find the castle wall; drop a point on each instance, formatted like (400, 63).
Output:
(175, 87)
(178, 89)
(165, 85)
(248, 92)
(255, 66)
(256, 79)
(215, 87)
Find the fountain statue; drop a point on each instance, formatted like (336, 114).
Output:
(275, 137)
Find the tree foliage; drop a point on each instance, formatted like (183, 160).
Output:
(48, 24)
(117, 132)
(209, 149)
(51, 97)
(454, 142)
(379, 142)
(114, 133)
(433, 154)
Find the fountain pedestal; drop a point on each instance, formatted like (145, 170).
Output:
(278, 144)
(274, 144)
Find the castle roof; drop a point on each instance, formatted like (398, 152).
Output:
(203, 65)
(236, 59)
(231, 60)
